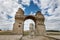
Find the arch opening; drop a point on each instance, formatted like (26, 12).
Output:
(27, 24)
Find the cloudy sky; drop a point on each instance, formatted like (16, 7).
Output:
(49, 8)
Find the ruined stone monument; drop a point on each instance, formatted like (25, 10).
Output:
(20, 18)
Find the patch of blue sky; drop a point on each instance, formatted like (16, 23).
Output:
(8, 16)
(31, 8)
(47, 14)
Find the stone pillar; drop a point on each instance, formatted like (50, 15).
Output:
(40, 28)
(17, 29)
(18, 25)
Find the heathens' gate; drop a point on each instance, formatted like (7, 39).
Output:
(20, 18)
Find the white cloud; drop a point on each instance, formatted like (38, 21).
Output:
(52, 22)
(38, 3)
(8, 7)
(53, 9)
(25, 2)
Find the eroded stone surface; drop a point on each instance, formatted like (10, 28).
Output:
(38, 19)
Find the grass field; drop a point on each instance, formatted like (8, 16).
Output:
(53, 33)
(26, 33)
(6, 33)
(11, 33)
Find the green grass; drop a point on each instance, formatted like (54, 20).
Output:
(6, 33)
(53, 33)
(11, 33)
(26, 33)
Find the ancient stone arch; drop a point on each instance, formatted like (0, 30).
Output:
(20, 18)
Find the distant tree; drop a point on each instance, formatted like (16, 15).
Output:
(52, 31)
(0, 30)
